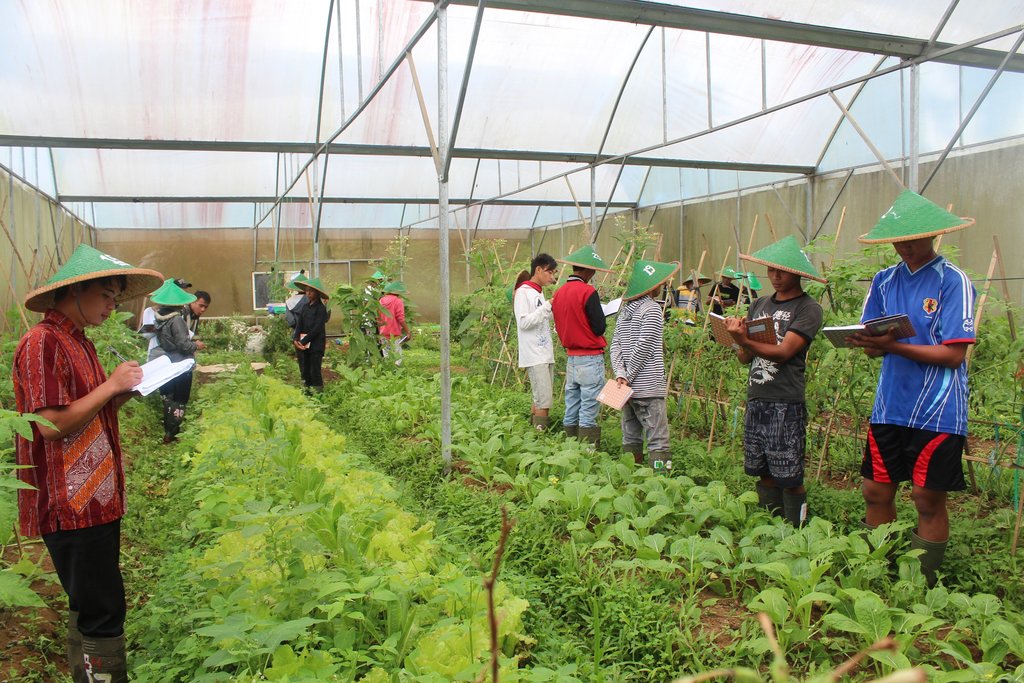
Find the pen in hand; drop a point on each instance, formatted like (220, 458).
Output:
(119, 356)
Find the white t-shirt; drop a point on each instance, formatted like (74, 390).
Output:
(533, 323)
(149, 319)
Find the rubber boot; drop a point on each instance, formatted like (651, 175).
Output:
(934, 551)
(169, 425)
(105, 659)
(591, 435)
(540, 422)
(769, 498)
(76, 660)
(176, 418)
(637, 449)
(571, 431)
(794, 508)
(660, 462)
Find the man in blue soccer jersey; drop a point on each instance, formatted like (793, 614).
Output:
(919, 421)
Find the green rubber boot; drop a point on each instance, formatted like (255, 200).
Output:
(76, 660)
(105, 660)
(591, 435)
(571, 431)
(769, 498)
(540, 422)
(794, 508)
(934, 552)
(637, 450)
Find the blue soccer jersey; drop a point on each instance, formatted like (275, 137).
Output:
(939, 300)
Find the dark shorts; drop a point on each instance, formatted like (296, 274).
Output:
(774, 440)
(932, 460)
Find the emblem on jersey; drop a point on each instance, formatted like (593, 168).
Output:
(968, 325)
(930, 305)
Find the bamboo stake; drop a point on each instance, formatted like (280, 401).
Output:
(771, 226)
(835, 242)
(1016, 526)
(1005, 288)
(981, 303)
(714, 411)
(753, 231)
(611, 264)
(828, 433)
(586, 226)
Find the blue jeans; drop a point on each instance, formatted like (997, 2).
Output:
(584, 379)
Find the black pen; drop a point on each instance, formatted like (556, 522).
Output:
(114, 351)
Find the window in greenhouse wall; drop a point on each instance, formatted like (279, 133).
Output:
(32, 164)
(696, 183)
(663, 185)
(170, 215)
(1001, 115)
(940, 105)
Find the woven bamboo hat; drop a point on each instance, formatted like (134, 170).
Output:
(701, 280)
(170, 294)
(912, 217)
(586, 257)
(729, 273)
(751, 281)
(786, 255)
(397, 287)
(87, 263)
(314, 283)
(646, 276)
(294, 283)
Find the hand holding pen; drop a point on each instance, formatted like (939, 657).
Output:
(127, 375)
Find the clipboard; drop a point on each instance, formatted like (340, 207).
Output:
(613, 395)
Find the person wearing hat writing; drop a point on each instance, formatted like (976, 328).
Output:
(392, 321)
(74, 463)
(638, 361)
(724, 294)
(310, 335)
(174, 340)
(919, 420)
(580, 324)
(775, 426)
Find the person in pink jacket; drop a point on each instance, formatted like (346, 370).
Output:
(393, 328)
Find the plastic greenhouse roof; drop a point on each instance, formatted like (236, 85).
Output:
(184, 114)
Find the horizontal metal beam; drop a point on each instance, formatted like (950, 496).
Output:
(711, 21)
(386, 150)
(428, 201)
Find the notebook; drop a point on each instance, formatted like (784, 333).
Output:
(760, 330)
(874, 327)
(612, 307)
(613, 395)
(160, 371)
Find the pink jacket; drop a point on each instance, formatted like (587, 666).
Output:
(392, 318)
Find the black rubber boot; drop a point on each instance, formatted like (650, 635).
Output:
(794, 508)
(76, 660)
(540, 422)
(105, 659)
(591, 435)
(637, 449)
(934, 552)
(769, 498)
(571, 431)
(660, 462)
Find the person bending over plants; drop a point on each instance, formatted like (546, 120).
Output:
(533, 326)
(919, 420)
(775, 427)
(638, 361)
(73, 462)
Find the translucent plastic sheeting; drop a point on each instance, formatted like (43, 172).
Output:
(666, 185)
(171, 215)
(31, 164)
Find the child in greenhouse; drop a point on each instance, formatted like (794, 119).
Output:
(74, 464)
(919, 421)
(394, 330)
(174, 340)
(580, 324)
(310, 334)
(638, 361)
(533, 327)
(775, 427)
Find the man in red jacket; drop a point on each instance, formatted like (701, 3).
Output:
(580, 324)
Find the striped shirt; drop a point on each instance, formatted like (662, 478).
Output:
(939, 300)
(79, 478)
(637, 350)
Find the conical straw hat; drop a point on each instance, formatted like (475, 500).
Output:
(314, 283)
(912, 217)
(786, 255)
(586, 257)
(87, 263)
(646, 276)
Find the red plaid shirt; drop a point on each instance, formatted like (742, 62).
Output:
(80, 478)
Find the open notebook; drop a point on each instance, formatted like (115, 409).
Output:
(760, 330)
(160, 371)
(874, 327)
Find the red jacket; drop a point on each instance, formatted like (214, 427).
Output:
(573, 307)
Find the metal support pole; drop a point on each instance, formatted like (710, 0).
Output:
(808, 209)
(442, 231)
(915, 122)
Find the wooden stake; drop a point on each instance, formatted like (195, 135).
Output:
(771, 226)
(586, 226)
(1016, 526)
(753, 231)
(1006, 289)
(981, 303)
(835, 241)
(828, 433)
(714, 411)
